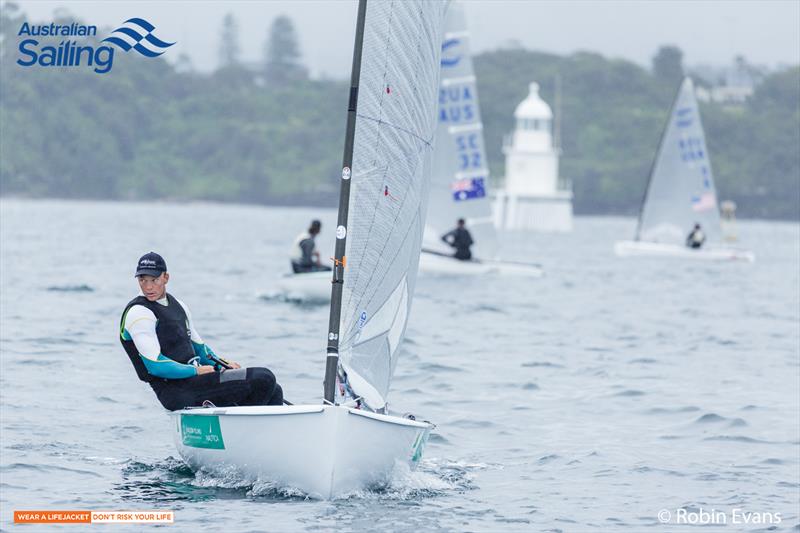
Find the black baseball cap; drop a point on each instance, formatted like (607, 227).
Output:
(150, 264)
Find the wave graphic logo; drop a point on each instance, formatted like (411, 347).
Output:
(448, 48)
(137, 33)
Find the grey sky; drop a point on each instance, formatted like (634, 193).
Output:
(709, 32)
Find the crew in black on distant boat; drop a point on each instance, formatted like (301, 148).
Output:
(461, 240)
(307, 257)
(166, 351)
(696, 238)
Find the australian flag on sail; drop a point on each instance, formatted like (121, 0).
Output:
(468, 189)
(704, 202)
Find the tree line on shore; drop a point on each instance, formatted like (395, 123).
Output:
(269, 134)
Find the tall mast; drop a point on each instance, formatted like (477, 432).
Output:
(332, 362)
(557, 122)
(655, 161)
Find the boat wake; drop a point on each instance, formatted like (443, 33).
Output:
(433, 478)
(172, 480)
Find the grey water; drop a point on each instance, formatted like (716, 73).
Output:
(588, 400)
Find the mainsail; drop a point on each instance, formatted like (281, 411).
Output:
(681, 190)
(460, 176)
(392, 147)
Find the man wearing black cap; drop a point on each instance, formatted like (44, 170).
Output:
(306, 256)
(159, 337)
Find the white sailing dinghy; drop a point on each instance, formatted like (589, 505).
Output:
(681, 193)
(304, 287)
(350, 441)
(460, 177)
(307, 287)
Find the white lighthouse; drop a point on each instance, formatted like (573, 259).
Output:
(533, 198)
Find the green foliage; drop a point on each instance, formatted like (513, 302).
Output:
(613, 114)
(668, 65)
(229, 49)
(148, 131)
(755, 152)
(282, 53)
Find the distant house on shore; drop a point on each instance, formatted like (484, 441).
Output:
(735, 84)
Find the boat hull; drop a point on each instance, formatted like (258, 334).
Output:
(325, 451)
(309, 287)
(430, 263)
(653, 249)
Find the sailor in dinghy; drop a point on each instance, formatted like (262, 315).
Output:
(157, 333)
(306, 254)
(310, 279)
(696, 238)
(460, 180)
(680, 191)
(330, 448)
(460, 240)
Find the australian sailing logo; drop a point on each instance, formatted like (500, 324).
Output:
(135, 34)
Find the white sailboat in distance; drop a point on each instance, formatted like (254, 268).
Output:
(349, 440)
(460, 177)
(681, 193)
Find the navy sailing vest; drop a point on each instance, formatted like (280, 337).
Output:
(172, 330)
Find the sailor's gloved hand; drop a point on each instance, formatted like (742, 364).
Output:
(224, 364)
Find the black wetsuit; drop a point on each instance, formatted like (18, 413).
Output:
(244, 386)
(461, 240)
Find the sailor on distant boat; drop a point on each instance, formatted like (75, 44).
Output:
(696, 238)
(461, 240)
(161, 341)
(307, 258)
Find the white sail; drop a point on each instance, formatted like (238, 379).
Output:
(393, 144)
(460, 176)
(681, 190)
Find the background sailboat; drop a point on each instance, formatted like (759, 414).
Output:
(333, 447)
(681, 192)
(460, 176)
(308, 288)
